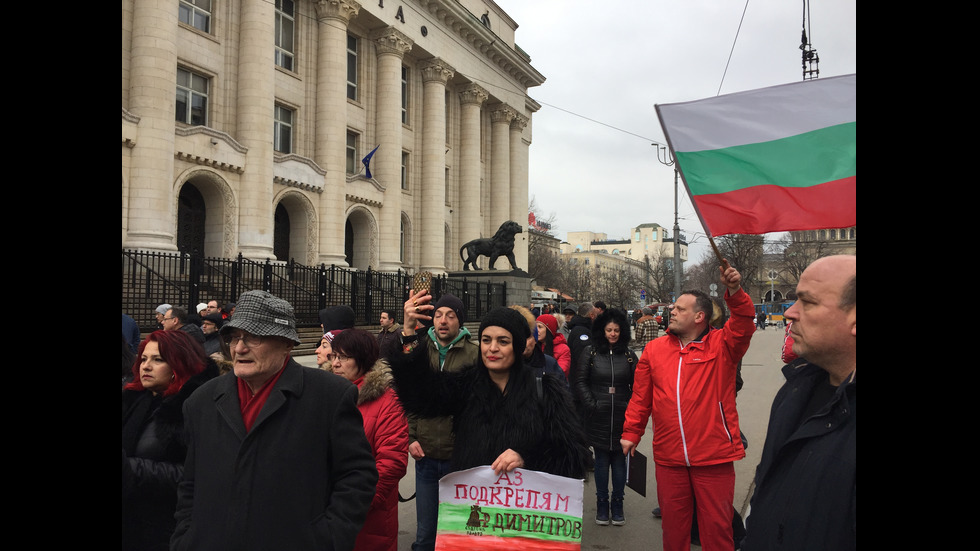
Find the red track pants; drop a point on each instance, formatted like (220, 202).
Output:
(713, 486)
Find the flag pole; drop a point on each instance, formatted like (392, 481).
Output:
(714, 247)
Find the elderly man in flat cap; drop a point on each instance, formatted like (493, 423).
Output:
(276, 457)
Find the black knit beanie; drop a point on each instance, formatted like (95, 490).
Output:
(512, 321)
(450, 301)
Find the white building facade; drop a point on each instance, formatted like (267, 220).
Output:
(647, 241)
(245, 122)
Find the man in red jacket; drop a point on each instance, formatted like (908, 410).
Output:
(686, 379)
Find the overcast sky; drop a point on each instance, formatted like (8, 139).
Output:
(607, 65)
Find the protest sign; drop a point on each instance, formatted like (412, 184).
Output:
(522, 509)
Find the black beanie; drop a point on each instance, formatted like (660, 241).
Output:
(450, 301)
(511, 320)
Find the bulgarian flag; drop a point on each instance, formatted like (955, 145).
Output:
(775, 159)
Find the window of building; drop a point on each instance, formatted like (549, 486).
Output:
(446, 179)
(283, 139)
(192, 98)
(851, 233)
(285, 33)
(351, 152)
(196, 13)
(404, 170)
(401, 242)
(404, 94)
(352, 67)
(833, 234)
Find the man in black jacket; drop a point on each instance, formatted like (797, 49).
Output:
(580, 330)
(806, 483)
(276, 452)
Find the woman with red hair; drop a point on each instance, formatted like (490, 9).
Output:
(169, 366)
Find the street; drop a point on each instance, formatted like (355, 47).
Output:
(762, 378)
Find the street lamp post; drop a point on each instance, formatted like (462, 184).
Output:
(665, 158)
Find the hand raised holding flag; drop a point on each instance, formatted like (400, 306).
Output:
(730, 277)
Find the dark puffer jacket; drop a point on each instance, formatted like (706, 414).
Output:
(604, 382)
(154, 449)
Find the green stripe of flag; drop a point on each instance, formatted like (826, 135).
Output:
(803, 160)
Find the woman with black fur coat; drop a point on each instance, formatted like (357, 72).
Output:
(169, 367)
(499, 417)
(604, 384)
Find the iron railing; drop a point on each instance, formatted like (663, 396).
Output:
(181, 279)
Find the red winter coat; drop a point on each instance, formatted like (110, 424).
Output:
(562, 353)
(691, 392)
(386, 428)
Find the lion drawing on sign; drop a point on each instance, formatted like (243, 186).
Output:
(501, 244)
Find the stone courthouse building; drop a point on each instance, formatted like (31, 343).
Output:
(245, 124)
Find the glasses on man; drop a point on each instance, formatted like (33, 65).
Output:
(250, 340)
(341, 357)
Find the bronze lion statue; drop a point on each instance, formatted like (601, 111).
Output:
(501, 244)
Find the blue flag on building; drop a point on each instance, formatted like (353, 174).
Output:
(367, 160)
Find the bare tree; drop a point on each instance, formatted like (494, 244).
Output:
(660, 275)
(745, 254)
(702, 274)
(799, 254)
(542, 264)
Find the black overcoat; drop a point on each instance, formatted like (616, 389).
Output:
(302, 478)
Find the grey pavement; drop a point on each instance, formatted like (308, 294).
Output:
(762, 378)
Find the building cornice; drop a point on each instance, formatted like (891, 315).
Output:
(217, 134)
(454, 16)
(363, 200)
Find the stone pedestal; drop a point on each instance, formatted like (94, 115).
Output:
(518, 282)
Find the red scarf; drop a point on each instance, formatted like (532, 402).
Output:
(252, 404)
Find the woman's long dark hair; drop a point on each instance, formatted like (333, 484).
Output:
(618, 317)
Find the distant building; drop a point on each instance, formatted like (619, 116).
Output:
(646, 240)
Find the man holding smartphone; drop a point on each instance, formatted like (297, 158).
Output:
(430, 439)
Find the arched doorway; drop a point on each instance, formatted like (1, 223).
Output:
(280, 243)
(360, 238)
(349, 243)
(773, 296)
(191, 220)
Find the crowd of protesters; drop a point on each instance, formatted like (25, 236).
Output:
(220, 421)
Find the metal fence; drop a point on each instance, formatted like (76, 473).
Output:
(152, 278)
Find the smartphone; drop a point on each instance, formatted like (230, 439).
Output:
(422, 280)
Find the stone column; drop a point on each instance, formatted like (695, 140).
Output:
(519, 186)
(500, 118)
(331, 123)
(470, 167)
(435, 74)
(386, 163)
(152, 217)
(256, 106)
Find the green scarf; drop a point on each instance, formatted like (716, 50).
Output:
(443, 350)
